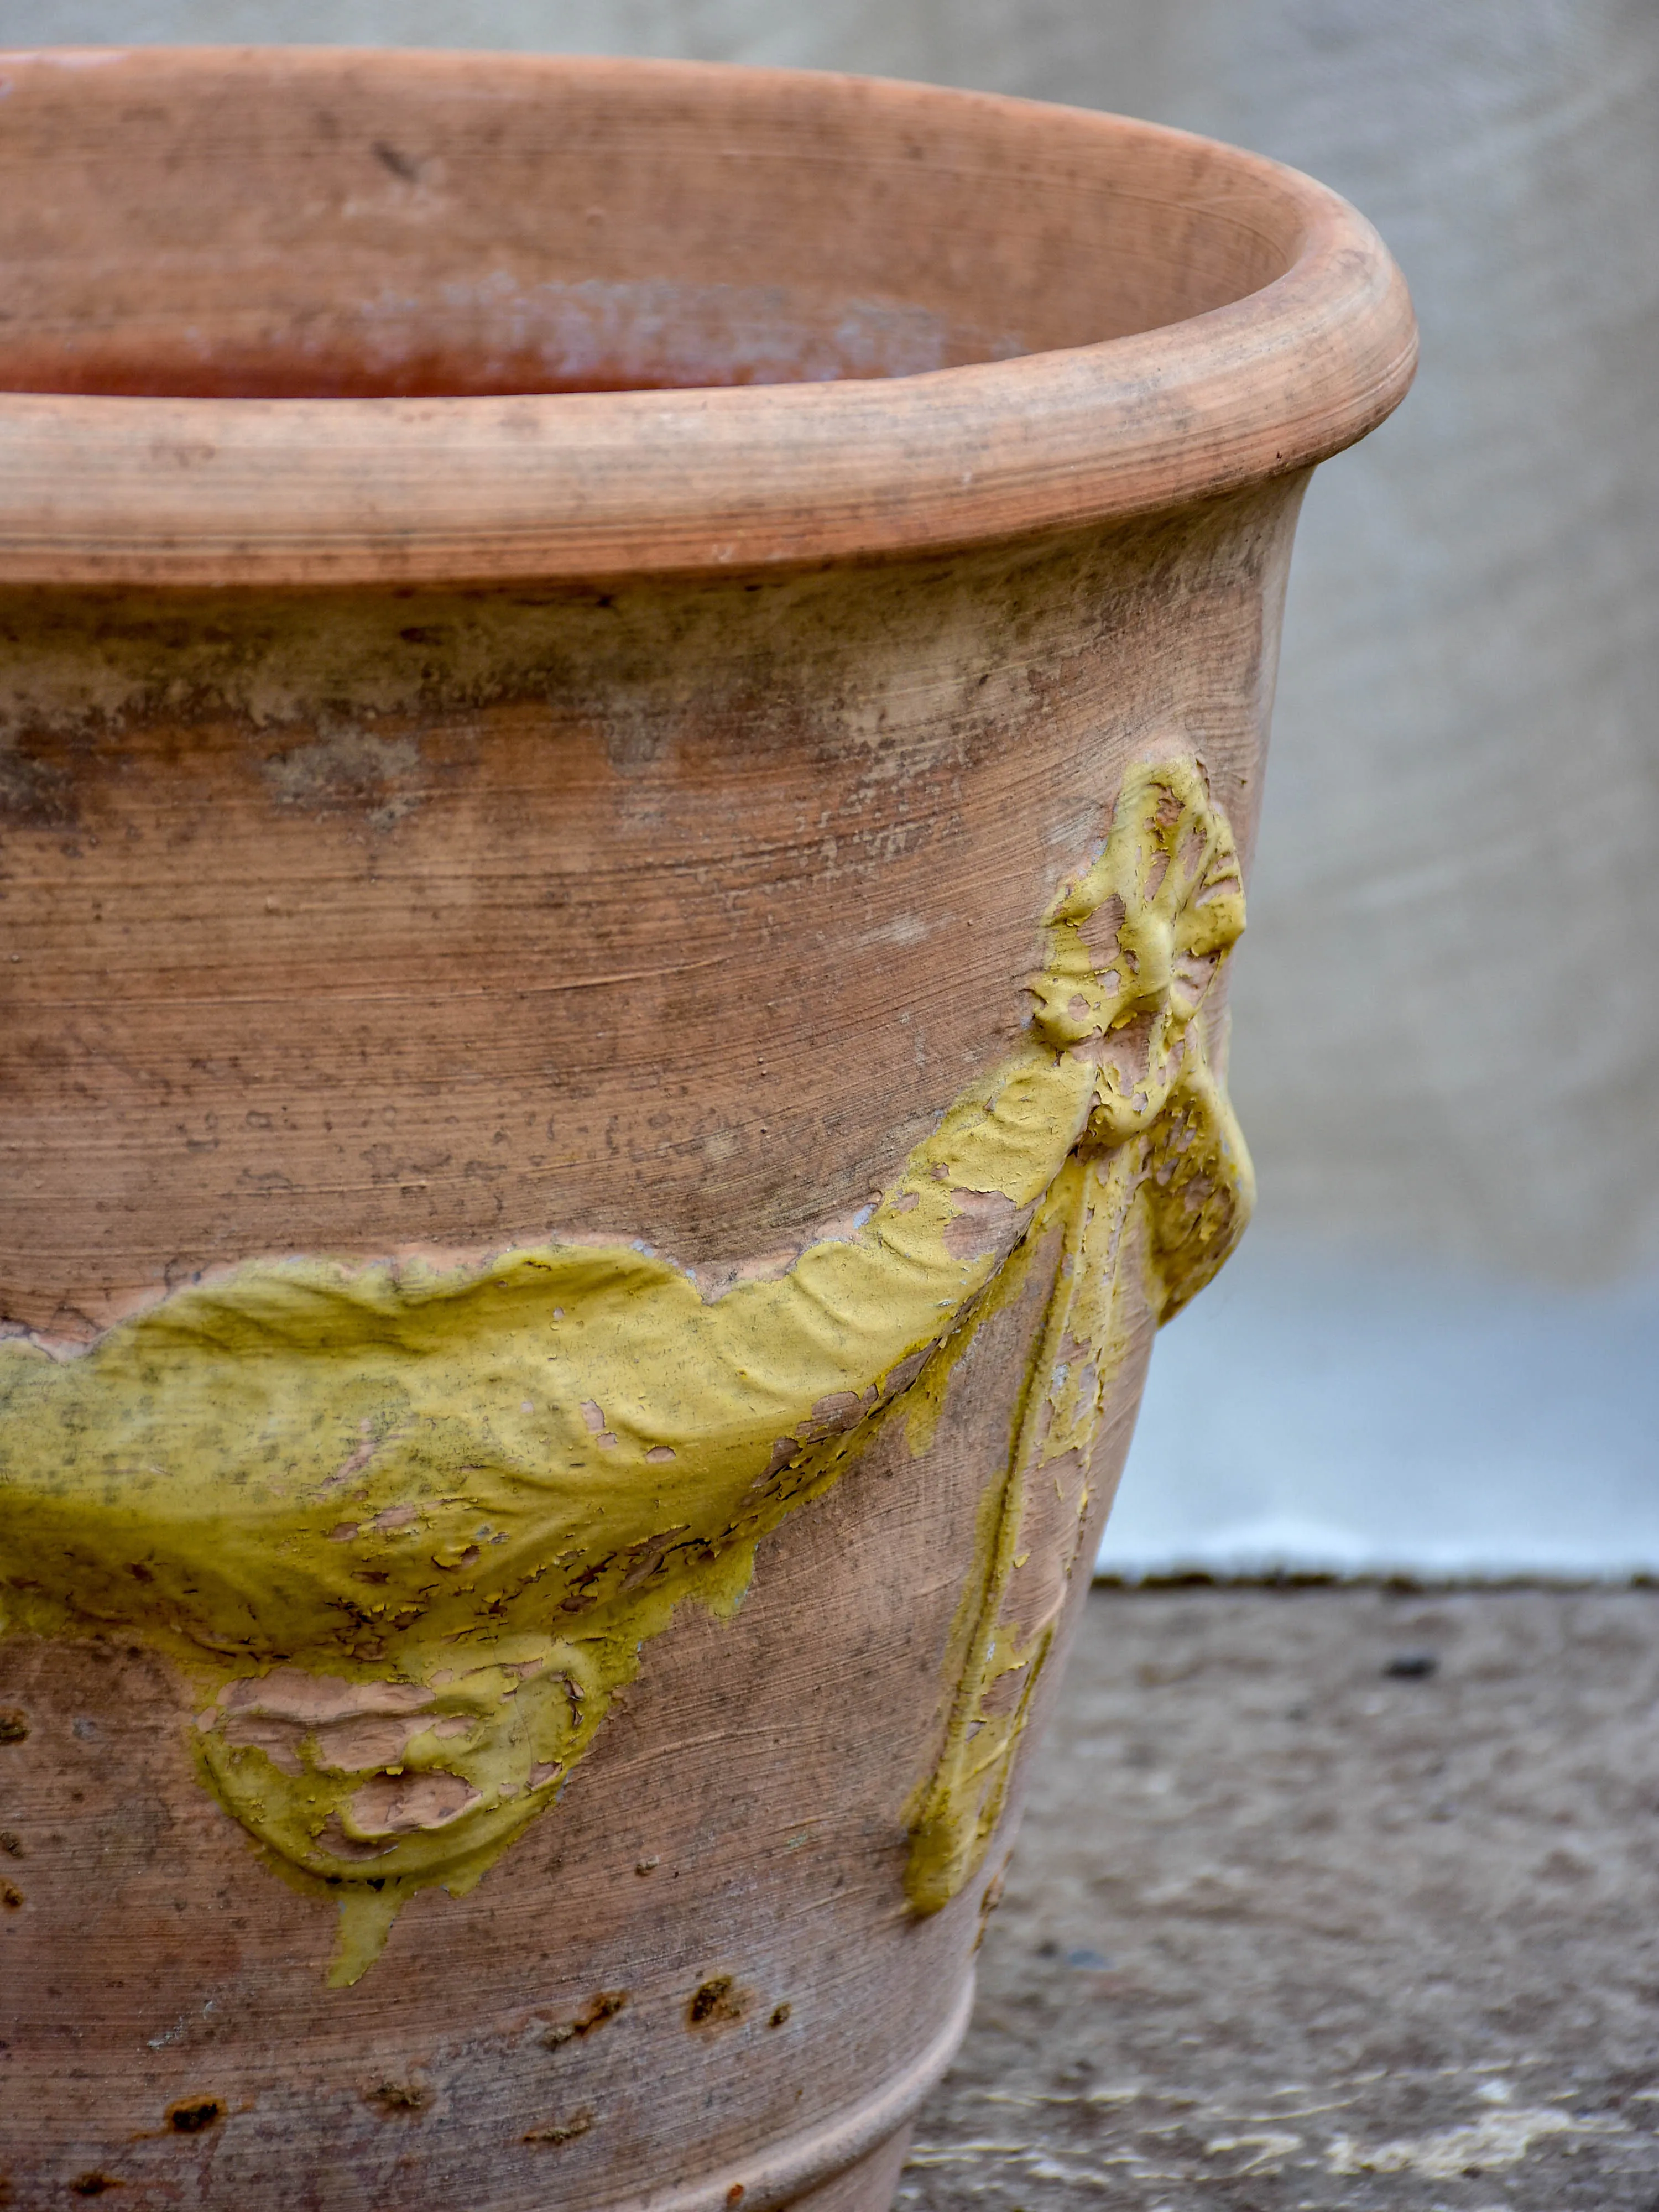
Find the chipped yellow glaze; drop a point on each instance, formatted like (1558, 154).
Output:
(408, 1527)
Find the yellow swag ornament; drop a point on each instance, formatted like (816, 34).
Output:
(407, 1527)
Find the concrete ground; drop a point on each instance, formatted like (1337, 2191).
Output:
(1327, 1897)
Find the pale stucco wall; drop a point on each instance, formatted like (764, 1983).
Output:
(1448, 1003)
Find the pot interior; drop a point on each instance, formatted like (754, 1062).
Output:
(284, 224)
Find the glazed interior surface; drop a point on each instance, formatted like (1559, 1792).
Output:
(285, 225)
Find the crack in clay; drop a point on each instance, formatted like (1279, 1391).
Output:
(408, 1526)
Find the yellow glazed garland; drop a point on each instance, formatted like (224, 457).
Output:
(408, 1527)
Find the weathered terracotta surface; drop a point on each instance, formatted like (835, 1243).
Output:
(476, 798)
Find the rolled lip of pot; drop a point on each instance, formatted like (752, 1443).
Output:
(155, 491)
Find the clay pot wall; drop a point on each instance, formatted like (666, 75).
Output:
(614, 1042)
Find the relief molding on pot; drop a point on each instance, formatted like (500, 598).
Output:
(407, 1527)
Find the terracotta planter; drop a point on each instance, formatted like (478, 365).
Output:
(613, 1046)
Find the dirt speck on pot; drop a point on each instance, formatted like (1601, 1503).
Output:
(560, 2132)
(193, 2115)
(716, 2003)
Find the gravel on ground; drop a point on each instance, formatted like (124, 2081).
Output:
(1327, 1900)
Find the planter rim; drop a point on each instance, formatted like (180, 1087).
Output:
(304, 492)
